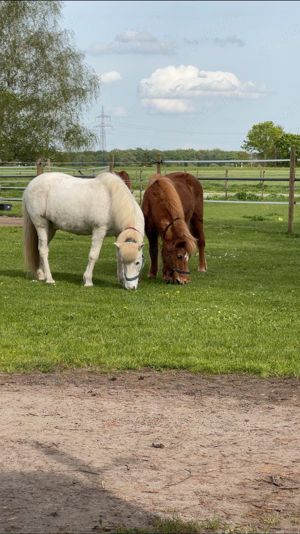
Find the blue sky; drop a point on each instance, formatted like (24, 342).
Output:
(189, 74)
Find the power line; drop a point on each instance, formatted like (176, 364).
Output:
(167, 130)
(104, 123)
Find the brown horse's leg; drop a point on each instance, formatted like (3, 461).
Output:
(168, 275)
(198, 233)
(153, 250)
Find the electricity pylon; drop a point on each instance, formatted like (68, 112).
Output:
(104, 123)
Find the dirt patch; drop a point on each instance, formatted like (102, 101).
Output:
(10, 221)
(82, 452)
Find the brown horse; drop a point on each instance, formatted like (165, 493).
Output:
(125, 178)
(173, 209)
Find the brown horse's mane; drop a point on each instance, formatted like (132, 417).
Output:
(183, 234)
(170, 200)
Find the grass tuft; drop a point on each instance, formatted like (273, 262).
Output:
(177, 526)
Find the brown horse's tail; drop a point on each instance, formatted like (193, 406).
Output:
(152, 179)
(30, 243)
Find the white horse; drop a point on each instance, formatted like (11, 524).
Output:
(99, 206)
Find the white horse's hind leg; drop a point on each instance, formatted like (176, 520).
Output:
(43, 271)
(97, 240)
(40, 272)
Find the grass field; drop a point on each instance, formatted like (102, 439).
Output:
(242, 316)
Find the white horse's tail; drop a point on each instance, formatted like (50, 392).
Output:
(30, 243)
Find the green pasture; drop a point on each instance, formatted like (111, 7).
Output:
(242, 316)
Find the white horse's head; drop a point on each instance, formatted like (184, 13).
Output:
(130, 262)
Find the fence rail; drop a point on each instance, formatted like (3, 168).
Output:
(228, 161)
(90, 170)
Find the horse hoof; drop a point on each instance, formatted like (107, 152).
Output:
(181, 282)
(40, 275)
(50, 282)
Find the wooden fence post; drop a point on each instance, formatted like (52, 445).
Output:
(158, 164)
(141, 186)
(262, 184)
(39, 167)
(226, 184)
(111, 163)
(292, 190)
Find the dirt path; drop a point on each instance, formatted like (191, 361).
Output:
(10, 221)
(82, 450)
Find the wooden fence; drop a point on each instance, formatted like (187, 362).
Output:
(20, 175)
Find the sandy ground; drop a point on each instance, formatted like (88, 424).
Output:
(84, 452)
(10, 221)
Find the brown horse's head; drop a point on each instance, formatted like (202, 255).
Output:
(176, 263)
(176, 253)
(125, 177)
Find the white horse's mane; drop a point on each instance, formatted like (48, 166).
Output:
(123, 209)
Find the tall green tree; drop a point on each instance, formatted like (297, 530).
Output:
(285, 143)
(263, 139)
(44, 82)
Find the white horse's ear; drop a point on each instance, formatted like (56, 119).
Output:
(117, 244)
(141, 246)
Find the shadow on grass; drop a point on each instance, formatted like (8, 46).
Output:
(70, 278)
(13, 273)
(77, 280)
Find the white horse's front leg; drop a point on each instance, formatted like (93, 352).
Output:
(44, 273)
(97, 240)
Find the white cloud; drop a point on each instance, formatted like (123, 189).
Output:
(110, 77)
(187, 81)
(168, 105)
(97, 49)
(230, 40)
(119, 111)
(133, 42)
(132, 36)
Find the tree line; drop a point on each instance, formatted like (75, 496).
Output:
(144, 157)
(45, 85)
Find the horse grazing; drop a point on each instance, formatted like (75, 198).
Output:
(99, 206)
(125, 177)
(173, 209)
